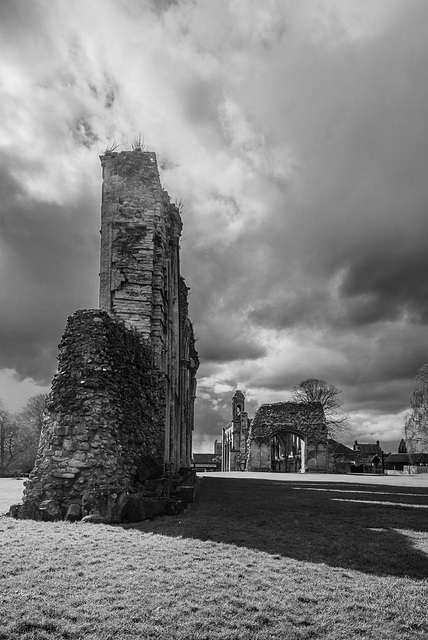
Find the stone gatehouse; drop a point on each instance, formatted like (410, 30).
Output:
(282, 437)
(120, 411)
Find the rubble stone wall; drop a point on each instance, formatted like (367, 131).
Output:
(103, 427)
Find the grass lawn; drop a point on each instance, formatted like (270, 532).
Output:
(10, 492)
(253, 558)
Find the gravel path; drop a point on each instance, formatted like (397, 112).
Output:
(420, 480)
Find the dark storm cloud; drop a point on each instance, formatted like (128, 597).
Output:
(292, 308)
(388, 282)
(48, 266)
(360, 209)
(294, 133)
(226, 347)
(375, 396)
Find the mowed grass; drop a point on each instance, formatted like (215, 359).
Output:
(250, 559)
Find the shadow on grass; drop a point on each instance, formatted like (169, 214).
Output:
(377, 529)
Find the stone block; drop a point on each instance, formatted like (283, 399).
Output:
(63, 474)
(61, 431)
(68, 445)
(74, 512)
(136, 508)
(81, 455)
(78, 463)
(94, 518)
(14, 510)
(50, 510)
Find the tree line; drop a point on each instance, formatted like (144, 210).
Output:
(20, 435)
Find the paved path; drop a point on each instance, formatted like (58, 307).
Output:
(420, 480)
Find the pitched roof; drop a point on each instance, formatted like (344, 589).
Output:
(398, 458)
(419, 458)
(238, 394)
(337, 448)
(407, 458)
(368, 449)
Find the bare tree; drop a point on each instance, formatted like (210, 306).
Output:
(4, 417)
(9, 438)
(33, 411)
(30, 421)
(315, 390)
(416, 421)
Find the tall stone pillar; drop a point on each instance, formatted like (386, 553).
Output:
(140, 282)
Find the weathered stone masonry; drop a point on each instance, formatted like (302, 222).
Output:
(121, 406)
(140, 283)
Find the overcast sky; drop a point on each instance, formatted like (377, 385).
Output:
(296, 134)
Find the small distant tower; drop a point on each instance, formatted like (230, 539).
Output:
(238, 404)
(402, 447)
(235, 436)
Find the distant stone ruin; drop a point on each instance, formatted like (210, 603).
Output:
(117, 434)
(286, 437)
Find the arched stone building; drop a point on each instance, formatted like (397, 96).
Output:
(288, 437)
(283, 437)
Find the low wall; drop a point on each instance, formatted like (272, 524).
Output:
(104, 428)
(408, 470)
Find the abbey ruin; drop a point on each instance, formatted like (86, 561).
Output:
(286, 437)
(117, 434)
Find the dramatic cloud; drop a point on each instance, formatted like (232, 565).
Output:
(293, 132)
(48, 262)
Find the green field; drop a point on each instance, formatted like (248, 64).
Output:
(255, 557)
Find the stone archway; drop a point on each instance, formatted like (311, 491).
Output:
(288, 452)
(287, 437)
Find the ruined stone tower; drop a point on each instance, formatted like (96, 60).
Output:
(140, 283)
(120, 411)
